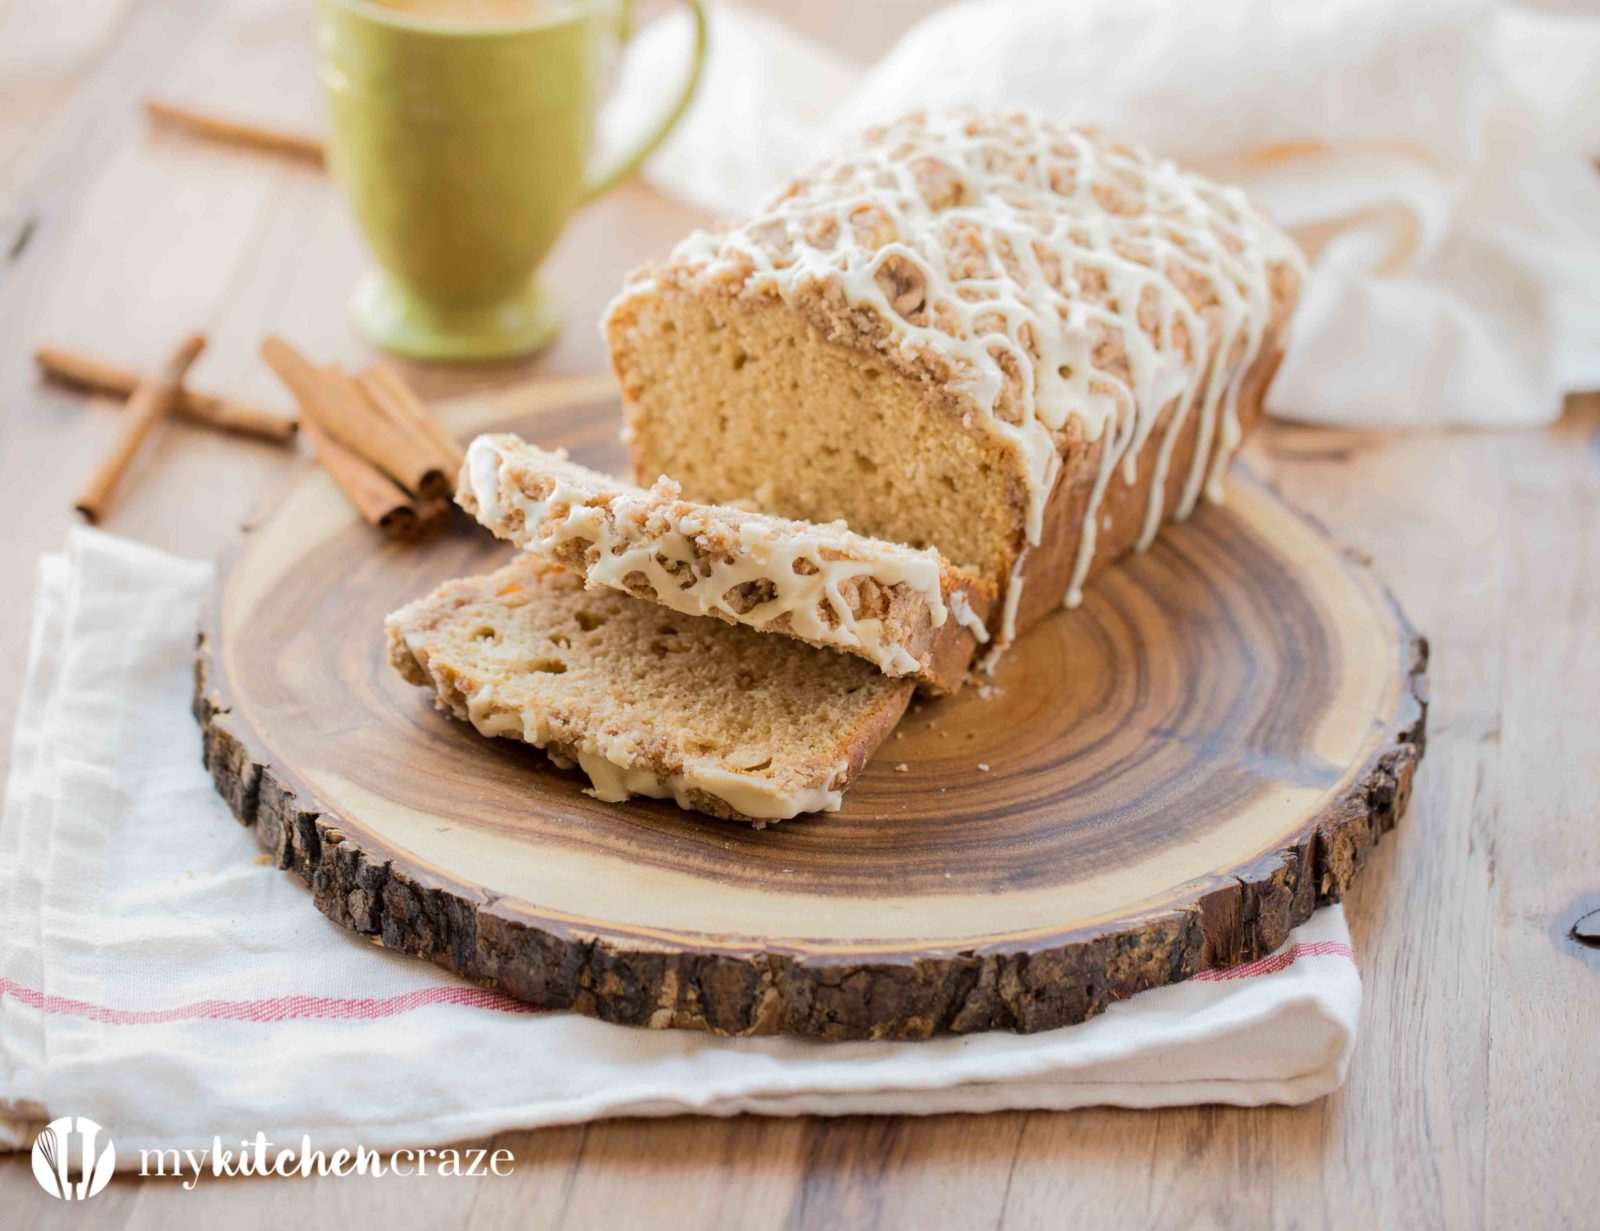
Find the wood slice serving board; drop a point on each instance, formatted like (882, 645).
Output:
(1166, 779)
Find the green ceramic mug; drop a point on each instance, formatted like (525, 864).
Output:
(463, 142)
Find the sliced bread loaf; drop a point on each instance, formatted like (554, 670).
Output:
(1026, 344)
(717, 717)
(908, 611)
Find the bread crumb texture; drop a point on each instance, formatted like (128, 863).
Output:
(722, 719)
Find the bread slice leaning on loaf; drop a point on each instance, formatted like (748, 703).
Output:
(907, 611)
(721, 719)
(1024, 344)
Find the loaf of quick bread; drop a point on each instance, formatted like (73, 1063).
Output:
(1023, 344)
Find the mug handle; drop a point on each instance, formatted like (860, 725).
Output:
(629, 163)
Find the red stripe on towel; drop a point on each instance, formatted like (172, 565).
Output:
(368, 1008)
(271, 1008)
(1275, 962)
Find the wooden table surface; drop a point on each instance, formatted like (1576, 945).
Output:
(1474, 1094)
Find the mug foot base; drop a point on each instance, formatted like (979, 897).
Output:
(392, 317)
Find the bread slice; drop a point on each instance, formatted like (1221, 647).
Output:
(1023, 343)
(717, 717)
(910, 612)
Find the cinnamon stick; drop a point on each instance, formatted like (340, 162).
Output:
(434, 479)
(152, 398)
(387, 390)
(206, 408)
(375, 496)
(336, 404)
(238, 132)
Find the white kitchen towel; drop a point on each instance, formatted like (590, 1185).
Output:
(1434, 158)
(159, 979)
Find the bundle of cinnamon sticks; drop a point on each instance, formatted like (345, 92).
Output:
(375, 438)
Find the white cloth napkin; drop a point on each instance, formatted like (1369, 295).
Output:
(158, 979)
(1433, 156)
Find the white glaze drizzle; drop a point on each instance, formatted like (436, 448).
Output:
(967, 617)
(1010, 242)
(614, 777)
(1008, 615)
(626, 529)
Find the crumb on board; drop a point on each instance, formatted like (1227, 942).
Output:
(902, 768)
(983, 766)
